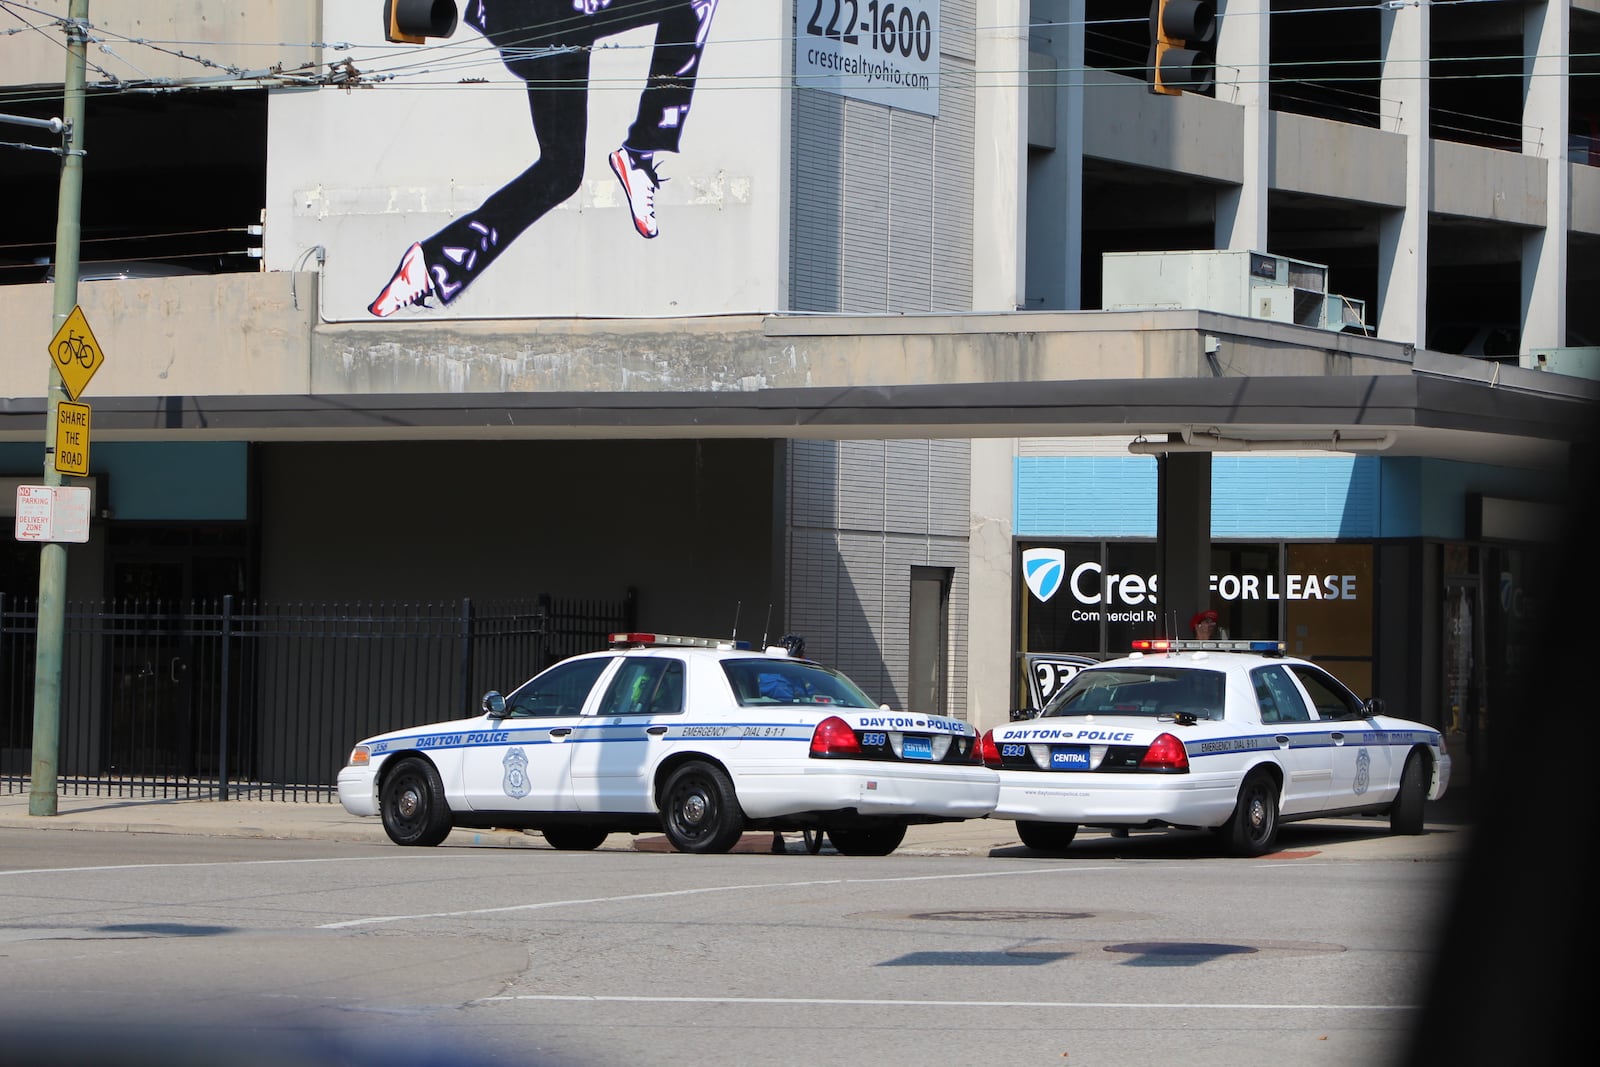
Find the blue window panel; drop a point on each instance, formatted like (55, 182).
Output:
(1293, 497)
(1085, 496)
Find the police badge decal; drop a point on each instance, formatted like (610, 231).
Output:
(516, 780)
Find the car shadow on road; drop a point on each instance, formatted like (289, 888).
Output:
(1295, 840)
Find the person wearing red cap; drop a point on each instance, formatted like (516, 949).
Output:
(1204, 625)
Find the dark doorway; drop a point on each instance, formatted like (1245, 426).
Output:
(165, 691)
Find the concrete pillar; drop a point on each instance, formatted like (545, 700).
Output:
(1545, 35)
(991, 643)
(1183, 537)
(1403, 234)
(1000, 171)
(1055, 166)
(1243, 61)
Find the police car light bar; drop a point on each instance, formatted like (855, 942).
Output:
(639, 640)
(1173, 644)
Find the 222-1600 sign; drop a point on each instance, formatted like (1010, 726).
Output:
(903, 29)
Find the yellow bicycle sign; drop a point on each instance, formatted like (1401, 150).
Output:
(76, 353)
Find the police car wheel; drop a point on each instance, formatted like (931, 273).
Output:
(873, 841)
(1252, 829)
(413, 805)
(1406, 815)
(699, 810)
(1046, 836)
(574, 838)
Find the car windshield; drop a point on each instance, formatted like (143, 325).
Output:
(782, 681)
(1159, 692)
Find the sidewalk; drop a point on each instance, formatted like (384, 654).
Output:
(311, 821)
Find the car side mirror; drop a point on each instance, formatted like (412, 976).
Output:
(1372, 707)
(494, 705)
(1021, 714)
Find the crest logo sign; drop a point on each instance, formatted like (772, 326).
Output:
(1043, 569)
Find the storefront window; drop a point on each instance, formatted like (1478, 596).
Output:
(1328, 598)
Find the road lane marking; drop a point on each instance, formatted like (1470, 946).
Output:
(890, 1003)
(374, 920)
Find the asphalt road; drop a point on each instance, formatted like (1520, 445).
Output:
(237, 951)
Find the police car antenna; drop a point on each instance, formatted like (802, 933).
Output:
(766, 628)
(737, 604)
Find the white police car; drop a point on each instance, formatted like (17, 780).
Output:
(693, 737)
(1227, 735)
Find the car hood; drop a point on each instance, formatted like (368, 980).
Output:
(441, 730)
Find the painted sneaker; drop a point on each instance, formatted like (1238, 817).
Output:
(409, 286)
(638, 177)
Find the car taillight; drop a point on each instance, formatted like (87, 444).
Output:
(988, 751)
(1166, 753)
(834, 737)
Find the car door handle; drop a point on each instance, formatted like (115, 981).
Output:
(561, 731)
(656, 731)
(1338, 738)
(1283, 740)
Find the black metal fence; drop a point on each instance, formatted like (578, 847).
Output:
(232, 698)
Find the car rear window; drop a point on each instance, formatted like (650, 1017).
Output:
(1152, 691)
(758, 682)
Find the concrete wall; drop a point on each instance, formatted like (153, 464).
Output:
(1193, 135)
(436, 129)
(1337, 159)
(1585, 198)
(1482, 183)
(253, 334)
(251, 36)
(203, 335)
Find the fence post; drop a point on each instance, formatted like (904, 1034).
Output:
(466, 655)
(222, 730)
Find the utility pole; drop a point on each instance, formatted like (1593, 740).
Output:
(42, 792)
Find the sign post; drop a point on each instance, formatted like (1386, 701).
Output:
(42, 788)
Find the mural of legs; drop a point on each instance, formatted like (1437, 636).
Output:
(547, 43)
(663, 106)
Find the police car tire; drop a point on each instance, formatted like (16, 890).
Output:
(1406, 815)
(700, 811)
(1252, 829)
(870, 841)
(574, 838)
(413, 806)
(1046, 836)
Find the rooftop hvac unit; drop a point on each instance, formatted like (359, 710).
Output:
(1255, 284)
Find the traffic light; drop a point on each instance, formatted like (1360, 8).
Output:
(414, 21)
(1180, 31)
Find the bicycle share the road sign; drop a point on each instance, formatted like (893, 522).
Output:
(76, 353)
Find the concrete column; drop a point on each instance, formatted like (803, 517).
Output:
(1000, 155)
(1054, 250)
(1243, 63)
(1183, 537)
(1545, 34)
(991, 644)
(1403, 234)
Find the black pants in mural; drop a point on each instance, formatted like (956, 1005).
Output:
(548, 44)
